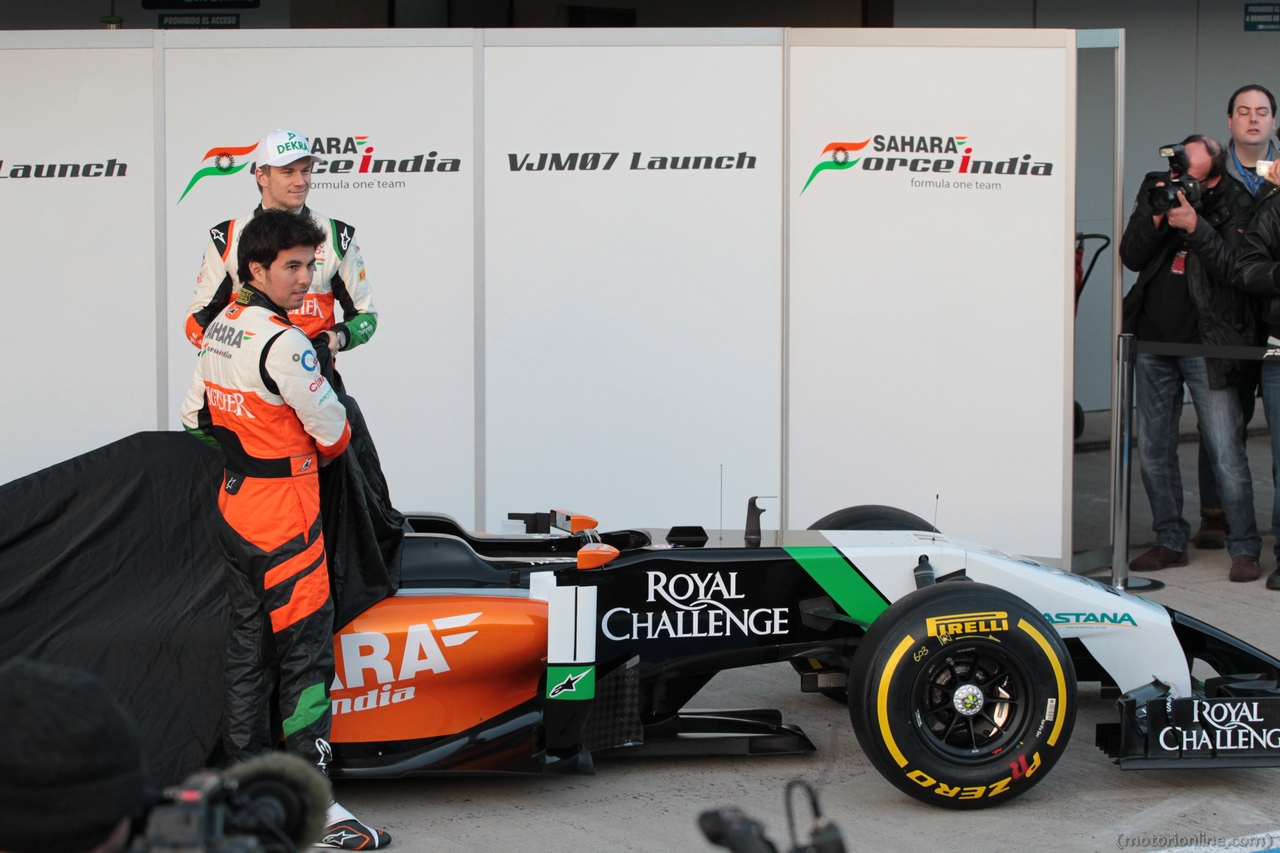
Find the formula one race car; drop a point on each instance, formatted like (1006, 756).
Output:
(535, 653)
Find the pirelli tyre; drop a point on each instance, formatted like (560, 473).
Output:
(962, 695)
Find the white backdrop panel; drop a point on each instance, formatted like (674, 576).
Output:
(414, 380)
(929, 346)
(80, 253)
(633, 315)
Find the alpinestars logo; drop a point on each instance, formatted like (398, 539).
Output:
(952, 148)
(342, 835)
(568, 685)
(571, 682)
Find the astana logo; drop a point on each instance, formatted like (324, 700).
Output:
(223, 160)
(840, 158)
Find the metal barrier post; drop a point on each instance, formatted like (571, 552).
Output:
(1126, 356)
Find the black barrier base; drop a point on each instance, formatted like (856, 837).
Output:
(1142, 584)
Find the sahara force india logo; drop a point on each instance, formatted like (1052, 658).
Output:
(904, 153)
(695, 607)
(221, 160)
(368, 651)
(224, 160)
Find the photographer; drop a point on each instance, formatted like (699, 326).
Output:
(1251, 121)
(1258, 273)
(71, 773)
(1181, 240)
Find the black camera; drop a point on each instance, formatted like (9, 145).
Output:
(273, 804)
(1163, 198)
(732, 829)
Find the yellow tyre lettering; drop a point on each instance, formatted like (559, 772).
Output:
(1000, 787)
(924, 780)
(1060, 713)
(882, 701)
(976, 792)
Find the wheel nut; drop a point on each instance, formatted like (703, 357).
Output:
(968, 699)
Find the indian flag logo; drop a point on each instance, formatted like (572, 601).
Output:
(840, 158)
(223, 160)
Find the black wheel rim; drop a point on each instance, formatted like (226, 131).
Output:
(972, 703)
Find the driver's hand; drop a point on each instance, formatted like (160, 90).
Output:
(326, 461)
(333, 341)
(1273, 173)
(1183, 217)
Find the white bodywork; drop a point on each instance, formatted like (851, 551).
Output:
(1132, 639)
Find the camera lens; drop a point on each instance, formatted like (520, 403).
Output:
(1163, 198)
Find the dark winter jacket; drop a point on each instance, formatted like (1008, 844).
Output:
(1258, 259)
(1225, 316)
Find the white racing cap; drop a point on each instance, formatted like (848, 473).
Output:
(282, 147)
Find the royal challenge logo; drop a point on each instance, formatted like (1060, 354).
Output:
(341, 163)
(948, 161)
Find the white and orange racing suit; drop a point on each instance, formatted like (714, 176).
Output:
(258, 393)
(340, 281)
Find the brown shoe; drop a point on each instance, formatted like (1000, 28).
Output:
(1213, 530)
(1273, 580)
(1244, 568)
(1158, 558)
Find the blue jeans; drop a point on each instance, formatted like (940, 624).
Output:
(1271, 408)
(1209, 496)
(1159, 380)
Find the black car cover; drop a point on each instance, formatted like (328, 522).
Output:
(110, 563)
(363, 533)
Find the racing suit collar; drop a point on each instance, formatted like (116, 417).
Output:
(260, 299)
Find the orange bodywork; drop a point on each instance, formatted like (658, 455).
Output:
(425, 666)
(582, 522)
(593, 555)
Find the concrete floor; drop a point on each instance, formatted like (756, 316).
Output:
(1085, 803)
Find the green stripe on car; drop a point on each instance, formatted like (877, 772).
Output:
(844, 583)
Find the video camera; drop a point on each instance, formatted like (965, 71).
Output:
(1163, 198)
(273, 804)
(730, 828)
